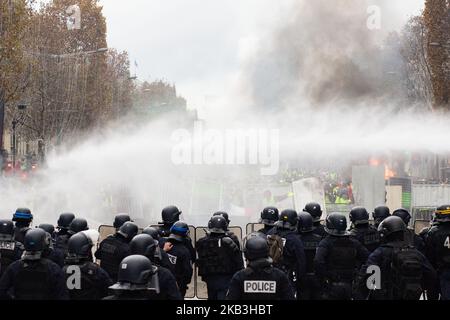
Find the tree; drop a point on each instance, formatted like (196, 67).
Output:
(413, 49)
(14, 21)
(75, 87)
(437, 21)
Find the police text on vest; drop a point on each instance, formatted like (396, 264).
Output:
(260, 286)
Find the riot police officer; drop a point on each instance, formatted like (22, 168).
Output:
(153, 232)
(171, 215)
(219, 258)
(120, 219)
(49, 228)
(260, 280)
(405, 272)
(23, 218)
(314, 209)
(94, 281)
(116, 247)
(308, 286)
(138, 279)
(269, 216)
(286, 248)
(10, 250)
(145, 245)
(410, 236)
(62, 236)
(78, 225)
(362, 230)
(379, 214)
(338, 258)
(51, 252)
(438, 248)
(179, 255)
(229, 233)
(34, 277)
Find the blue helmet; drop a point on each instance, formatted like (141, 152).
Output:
(23, 214)
(179, 231)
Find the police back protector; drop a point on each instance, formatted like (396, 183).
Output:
(32, 281)
(214, 256)
(342, 261)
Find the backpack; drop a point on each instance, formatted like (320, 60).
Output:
(276, 246)
(406, 273)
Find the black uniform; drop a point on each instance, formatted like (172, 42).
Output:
(94, 281)
(10, 251)
(111, 252)
(308, 287)
(55, 255)
(438, 252)
(33, 280)
(19, 232)
(319, 229)
(234, 237)
(164, 261)
(180, 258)
(367, 235)
(265, 230)
(260, 281)
(219, 258)
(62, 240)
(390, 280)
(415, 240)
(337, 261)
(164, 232)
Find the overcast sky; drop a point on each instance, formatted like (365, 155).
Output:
(200, 44)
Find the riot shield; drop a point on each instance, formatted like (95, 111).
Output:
(105, 231)
(200, 232)
(420, 224)
(253, 227)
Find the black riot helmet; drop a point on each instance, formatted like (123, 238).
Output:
(6, 228)
(120, 219)
(314, 209)
(128, 230)
(223, 214)
(64, 220)
(179, 231)
(78, 225)
(442, 214)
(359, 215)
(391, 225)
(256, 247)
(380, 213)
(135, 272)
(170, 215)
(36, 240)
(305, 222)
(217, 224)
(269, 216)
(288, 219)
(79, 246)
(47, 227)
(143, 244)
(153, 232)
(403, 214)
(23, 215)
(336, 224)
